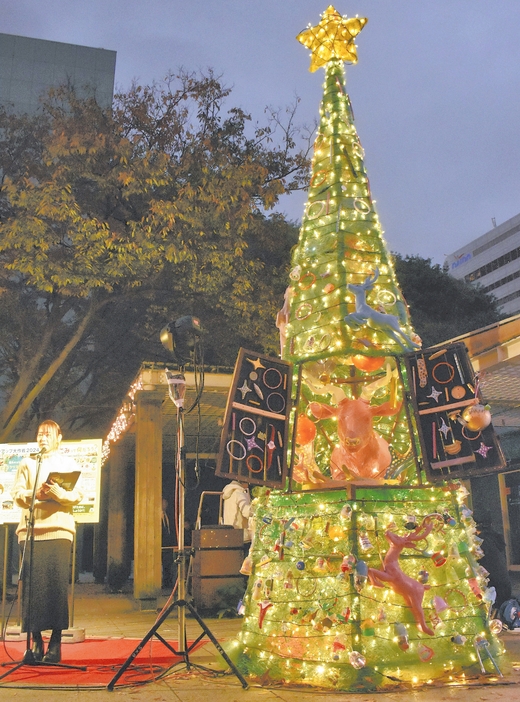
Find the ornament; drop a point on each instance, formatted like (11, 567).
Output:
(435, 620)
(295, 273)
(332, 38)
(402, 636)
(247, 566)
(425, 653)
(336, 533)
(241, 610)
(264, 606)
(268, 587)
(444, 429)
(367, 627)
(463, 548)
(458, 392)
(449, 520)
(251, 443)
(458, 639)
(439, 559)
(475, 588)
(346, 512)
(244, 389)
(476, 417)
(326, 624)
(305, 430)
(320, 566)
(337, 648)
(365, 543)
(439, 604)
(368, 364)
(360, 576)
(454, 448)
(435, 394)
(257, 589)
(411, 522)
(483, 450)
(306, 542)
(357, 660)
(348, 563)
(495, 626)
(424, 576)
(422, 372)
(402, 584)
(300, 565)
(344, 616)
(386, 323)
(490, 595)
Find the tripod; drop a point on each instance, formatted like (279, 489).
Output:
(177, 389)
(29, 657)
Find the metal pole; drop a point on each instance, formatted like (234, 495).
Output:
(181, 477)
(73, 576)
(4, 574)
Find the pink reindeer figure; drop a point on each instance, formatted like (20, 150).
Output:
(412, 591)
(361, 451)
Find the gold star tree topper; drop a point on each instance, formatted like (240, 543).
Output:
(332, 38)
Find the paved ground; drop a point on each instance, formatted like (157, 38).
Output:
(101, 614)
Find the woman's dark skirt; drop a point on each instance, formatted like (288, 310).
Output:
(45, 599)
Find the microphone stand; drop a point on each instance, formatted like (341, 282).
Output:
(28, 658)
(177, 390)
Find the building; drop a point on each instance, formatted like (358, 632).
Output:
(492, 261)
(29, 67)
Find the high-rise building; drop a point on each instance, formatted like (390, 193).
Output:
(29, 67)
(493, 261)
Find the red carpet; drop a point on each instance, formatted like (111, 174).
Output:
(102, 657)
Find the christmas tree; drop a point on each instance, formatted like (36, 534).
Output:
(374, 583)
(344, 317)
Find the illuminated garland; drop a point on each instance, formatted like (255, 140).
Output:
(122, 421)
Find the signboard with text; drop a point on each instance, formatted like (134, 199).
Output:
(87, 456)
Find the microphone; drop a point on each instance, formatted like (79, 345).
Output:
(38, 453)
(176, 388)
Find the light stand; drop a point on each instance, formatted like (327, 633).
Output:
(177, 391)
(28, 658)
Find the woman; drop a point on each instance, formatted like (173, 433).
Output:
(45, 598)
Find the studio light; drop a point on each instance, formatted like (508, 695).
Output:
(180, 338)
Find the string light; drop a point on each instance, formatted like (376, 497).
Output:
(123, 420)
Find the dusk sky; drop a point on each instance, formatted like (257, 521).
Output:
(436, 91)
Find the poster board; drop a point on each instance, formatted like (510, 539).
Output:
(444, 389)
(86, 454)
(253, 446)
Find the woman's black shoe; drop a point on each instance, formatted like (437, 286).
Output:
(37, 647)
(53, 654)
